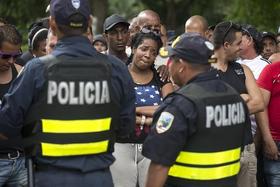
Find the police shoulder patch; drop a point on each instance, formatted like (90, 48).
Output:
(164, 122)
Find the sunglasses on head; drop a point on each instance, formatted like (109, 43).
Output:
(147, 30)
(13, 55)
(231, 25)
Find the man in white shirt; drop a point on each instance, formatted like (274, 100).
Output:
(251, 48)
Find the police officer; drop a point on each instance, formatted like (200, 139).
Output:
(74, 104)
(198, 130)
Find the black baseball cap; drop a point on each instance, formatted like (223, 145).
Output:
(269, 35)
(193, 48)
(113, 20)
(64, 10)
(252, 31)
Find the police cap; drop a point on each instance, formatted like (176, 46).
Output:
(193, 48)
(64, 10)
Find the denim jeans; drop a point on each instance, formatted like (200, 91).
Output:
(13, 172)
(272, 170)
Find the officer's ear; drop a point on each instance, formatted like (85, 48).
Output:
(90, 21)
(181, 65)
(53, 25)
(181, 69)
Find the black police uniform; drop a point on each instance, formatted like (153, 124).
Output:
(199, 156)
(85, 170)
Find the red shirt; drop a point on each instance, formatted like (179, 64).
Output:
(270, 80)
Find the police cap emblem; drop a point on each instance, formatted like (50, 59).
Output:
(76, 3)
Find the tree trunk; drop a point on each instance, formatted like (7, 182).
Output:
(99, 11)
(171, 14)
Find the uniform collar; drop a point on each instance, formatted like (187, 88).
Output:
(205, 76)
(73, 39)
(74, 46)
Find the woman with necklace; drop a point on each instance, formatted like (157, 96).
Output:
(131, 166)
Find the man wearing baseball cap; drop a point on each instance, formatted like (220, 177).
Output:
(74, 105)
(251, 48)
(198, 130)
(115, 30)
(269, 44)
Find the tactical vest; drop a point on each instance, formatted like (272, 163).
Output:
(211, 157)
(76, 112)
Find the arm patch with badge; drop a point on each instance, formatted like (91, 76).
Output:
(164, 122)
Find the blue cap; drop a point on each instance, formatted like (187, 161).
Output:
(63, 10)
(193, 48)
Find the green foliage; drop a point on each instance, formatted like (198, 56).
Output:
(22, 13)
(262, 14)
(214, 11)
(126, 8)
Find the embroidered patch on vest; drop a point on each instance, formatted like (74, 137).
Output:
(164, 122)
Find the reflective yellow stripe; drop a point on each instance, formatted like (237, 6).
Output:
(75, 126)
(49, 149)
(213, 173)
(209, 158)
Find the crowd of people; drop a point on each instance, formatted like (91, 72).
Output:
(134, 107)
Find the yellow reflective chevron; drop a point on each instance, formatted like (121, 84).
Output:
(213, 173)
(215, 158)
(74, 149)
(209, 160)
(75, 126)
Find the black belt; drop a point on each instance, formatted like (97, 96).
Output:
(11, 155)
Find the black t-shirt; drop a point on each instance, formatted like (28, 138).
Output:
(5, 87)
(6, 147)
(235, 77)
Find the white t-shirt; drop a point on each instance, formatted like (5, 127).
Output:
(256, 65)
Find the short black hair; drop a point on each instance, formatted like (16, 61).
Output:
(225, 32)
(73, 31)
(140, 37)
(9, 33)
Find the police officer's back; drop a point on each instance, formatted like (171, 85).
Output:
(72, 104)
(198, 130)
